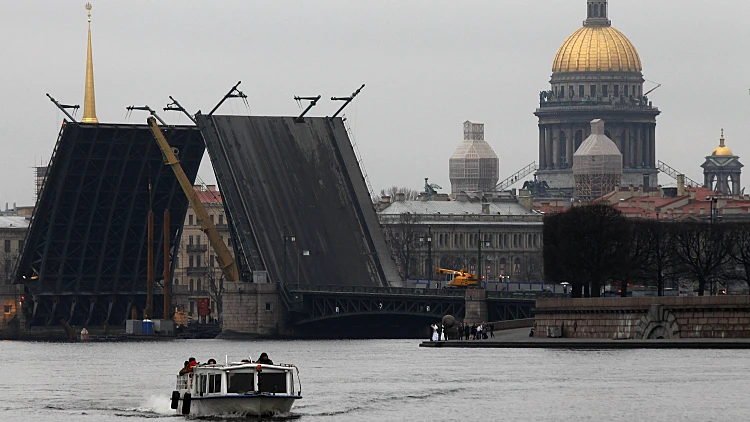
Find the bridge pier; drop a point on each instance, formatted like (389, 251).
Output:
(476, 306)
(252, 310)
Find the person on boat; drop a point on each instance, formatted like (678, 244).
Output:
(211, 362)
(185, 368)
(264, 359)
(191, 363)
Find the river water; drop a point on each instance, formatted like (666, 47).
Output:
(385, 380)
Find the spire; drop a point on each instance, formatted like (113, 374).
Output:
(89, 102)
(597, 12)
(721, 140)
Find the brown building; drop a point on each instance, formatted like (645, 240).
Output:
(12, 234)
(197, 274)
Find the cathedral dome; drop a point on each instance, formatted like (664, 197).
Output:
(597, 48)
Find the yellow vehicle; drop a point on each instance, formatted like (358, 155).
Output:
(461, 279)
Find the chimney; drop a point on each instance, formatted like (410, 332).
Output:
(385, 199)
(462, 197)
(400, 197)
(680, 185)
(422, 197)
(485, 208)
(525, 199)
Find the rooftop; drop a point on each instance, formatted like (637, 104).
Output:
(14, 222)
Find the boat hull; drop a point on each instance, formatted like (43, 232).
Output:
(242, 405)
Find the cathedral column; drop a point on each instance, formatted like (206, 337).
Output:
(652, 137)
(555, 139)
(547, 147)
(570, 145)
(626, 146)
(638, 144)
(542, 165)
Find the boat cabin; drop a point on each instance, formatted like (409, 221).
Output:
(239, 378)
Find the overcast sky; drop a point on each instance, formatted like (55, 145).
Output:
(428, 66)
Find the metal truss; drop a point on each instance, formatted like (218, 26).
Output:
(504, 310)
(84, 258)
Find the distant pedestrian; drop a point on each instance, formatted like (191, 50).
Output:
(492, 330)
(460, 331)
(440, 331)
(467, 331)
(531, 333)
(434, 337)
(473, 331)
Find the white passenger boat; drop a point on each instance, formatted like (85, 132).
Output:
(238, 389)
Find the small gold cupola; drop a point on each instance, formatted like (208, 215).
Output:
(722, 149)
(89, 102)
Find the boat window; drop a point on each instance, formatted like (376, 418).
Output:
(272, 382)
(240, 382)
(216, 384)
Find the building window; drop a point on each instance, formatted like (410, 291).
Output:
(191, 259)
(190, 240)
(7, 245)
(190, 220)
(210, 260)
(268, 306)
(593, 90)
(7, 309)
(198, 285)
(221, 218)
(634, 91)
(20, 245)
(192, 285)
(7, 266)
(198, 240)
(192, 307)
(605, 90)
(581, 92)
(229, 241)
(626, 90)
(198, 261)
(176, 282)
(212, 218)
(617, 90)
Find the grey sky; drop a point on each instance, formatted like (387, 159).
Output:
(428, 66)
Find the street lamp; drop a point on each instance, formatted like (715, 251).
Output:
(290, 238)
(712, 203)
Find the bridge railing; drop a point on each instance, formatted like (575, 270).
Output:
(524, 294)
(377, 290)
(374, 290)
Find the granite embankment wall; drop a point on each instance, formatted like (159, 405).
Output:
(646, 318)
(252, 310)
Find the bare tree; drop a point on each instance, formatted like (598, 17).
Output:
(532, 268)
(586, 246)
(403, 238)
(652, 254)
(215, 280)
(738, 248)
(701, 250)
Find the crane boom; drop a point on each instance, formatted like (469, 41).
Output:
(226, 262)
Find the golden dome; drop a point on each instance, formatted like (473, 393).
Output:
(597, 48)
(722, 149)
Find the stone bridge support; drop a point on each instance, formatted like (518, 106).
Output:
(476, 306)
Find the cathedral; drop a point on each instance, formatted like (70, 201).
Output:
(596, 74)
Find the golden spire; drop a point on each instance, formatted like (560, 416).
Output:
(89, 103)
(721, 140)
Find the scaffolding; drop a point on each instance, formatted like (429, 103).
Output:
(597, 165)
(474, 166)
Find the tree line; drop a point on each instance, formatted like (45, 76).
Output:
(595, 245)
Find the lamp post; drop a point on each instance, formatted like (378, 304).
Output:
(291, 238)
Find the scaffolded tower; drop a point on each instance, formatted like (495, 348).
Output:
(597, 165)
(474, 165)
